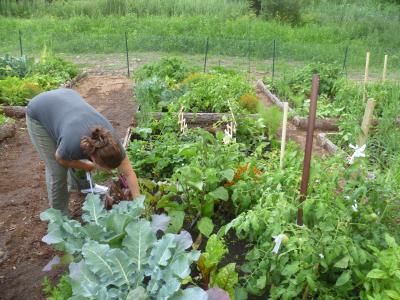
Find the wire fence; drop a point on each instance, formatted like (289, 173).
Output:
(246, 54)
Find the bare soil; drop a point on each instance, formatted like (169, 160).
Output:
(23, 193)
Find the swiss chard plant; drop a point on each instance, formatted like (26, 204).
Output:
(116, 254)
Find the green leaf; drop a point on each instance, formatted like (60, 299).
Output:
(220, 193)
(93, 209)
(228, 174)
(261, 282)
(205, 226)
(392, 294)
(291, 269)
(95, 255)
(117, 222)
(176, 222)
(390, 241)
(138, 294)
(192, 294)
(377, 274)
(162, 251)
(343, 278)
(226, 279)
(343, 263)
(139, 240)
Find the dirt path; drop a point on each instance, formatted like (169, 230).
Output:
(294, 134)
(23, 193)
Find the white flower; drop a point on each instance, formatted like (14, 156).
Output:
(358, 152)
(355, 207)
(278, 242)
(321, 256)
(347, 197)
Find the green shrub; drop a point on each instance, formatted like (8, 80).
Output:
(61, 291)
(167, 68)
(283, 10)
(16, 91)
(14, 66)
(55, 67)
(3, 118)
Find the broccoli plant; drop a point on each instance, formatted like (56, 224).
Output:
(117, 255)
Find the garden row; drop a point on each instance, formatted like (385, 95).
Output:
(218, 213)
(22, 78)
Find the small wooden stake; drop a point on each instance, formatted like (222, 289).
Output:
(366, 76)
(367, 119)
(284, 128)
(384, 68)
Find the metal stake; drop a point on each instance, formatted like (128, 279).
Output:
(205, 56)
(127, 53)
(309, 144)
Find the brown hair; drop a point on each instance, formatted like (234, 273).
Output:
(104, 147)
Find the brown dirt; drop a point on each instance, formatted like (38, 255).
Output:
(294, 134)
(23, 193)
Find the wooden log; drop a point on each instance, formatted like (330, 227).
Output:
(326, 143)
(14, 111)
(74, 81)
(7, 130)
(200, 118)
(274, 99)
(328, 124)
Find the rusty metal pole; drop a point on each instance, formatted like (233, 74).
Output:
(309, 143)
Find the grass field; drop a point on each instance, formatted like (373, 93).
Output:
(326, 30)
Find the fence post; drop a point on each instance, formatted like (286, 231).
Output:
(366, 122)
(384, 68)
(309, 144)
(366, 77)
(346, 52)
(248, 55)
(205, 56)
(273, 60)
(127, 53)
(284, 129)
(20, 42)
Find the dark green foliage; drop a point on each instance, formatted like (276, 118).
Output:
(283, 10)
(55, 67)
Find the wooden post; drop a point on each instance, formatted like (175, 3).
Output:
(309, 144)
(367, 119)
(284, 127)
(384, 68)
(205, 56)
(127, 54)
(366, 76)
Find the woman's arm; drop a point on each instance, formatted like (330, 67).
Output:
(75, 164)
(131, 179)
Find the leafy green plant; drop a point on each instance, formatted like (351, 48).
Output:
(14, 66)
(212, 276)
(171, 68)
(114, 251)
(61, 291)
(3, 118)
(16, 91)
(55, 67)
(383, 281)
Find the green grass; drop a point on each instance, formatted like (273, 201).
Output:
(182, 26)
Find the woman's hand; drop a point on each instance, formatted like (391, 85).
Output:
(131, 179)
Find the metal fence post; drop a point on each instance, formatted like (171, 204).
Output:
(273, 60)
(20, 42)
(205, 55)
(346, 52)
(127, 53)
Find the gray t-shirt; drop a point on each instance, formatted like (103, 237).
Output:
(67, 117)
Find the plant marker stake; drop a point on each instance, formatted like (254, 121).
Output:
(384, 68)
(284, 128)
(309, 143)
(366, 76)
(20, 42)
(346, 52)
(205, 56)
(127, 53)
(273, 61)
(367, 119)
(248, 55)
